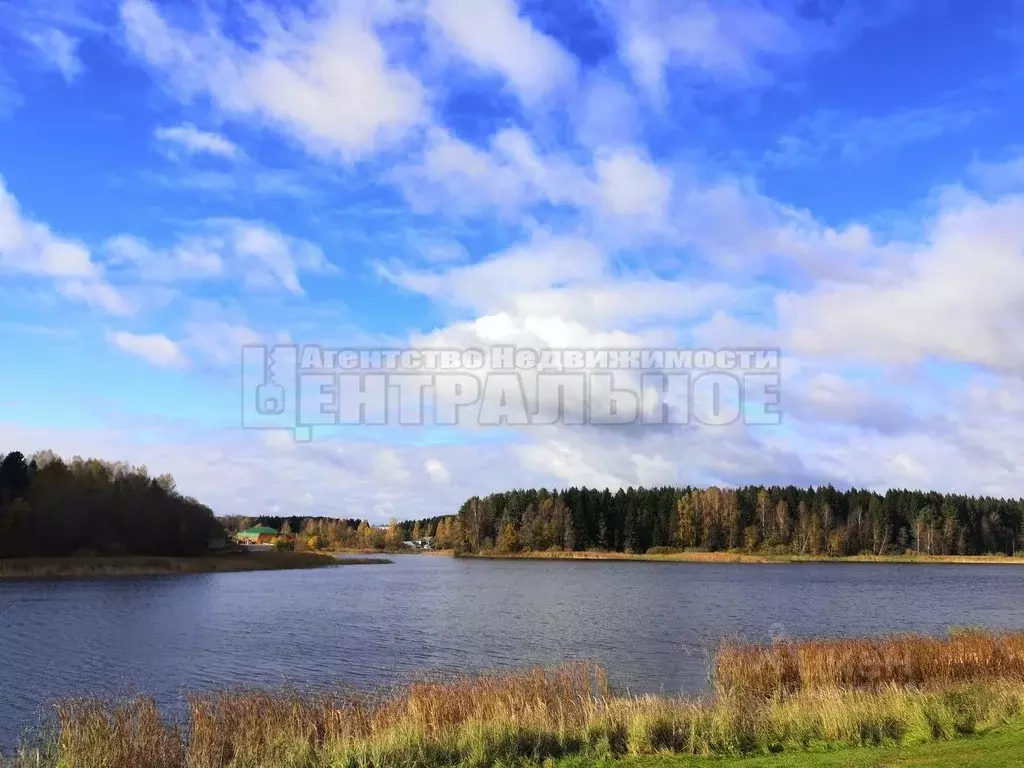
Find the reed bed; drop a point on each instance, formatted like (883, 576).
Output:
(869, 664)
(528, 716)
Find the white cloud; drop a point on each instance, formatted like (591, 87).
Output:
(492, 283)
(722, 40)
(437, 471)
(271, 258)
(195, 141)
(191, 258)
(218, 333)
(155, 349)
(957, 297)
(256, 252)
(326, 80)
(622, 187)
(388, 467)
(563, 279)
(509, 175)
(99, 294)
(29, 247)
(59, 49)
(631, 186)
(333, 79)
(496, 37)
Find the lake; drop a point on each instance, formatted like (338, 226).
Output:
(651, 624)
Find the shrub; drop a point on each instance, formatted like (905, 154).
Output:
(283, 544)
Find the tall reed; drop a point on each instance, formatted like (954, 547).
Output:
(868, 664)
(535, 714)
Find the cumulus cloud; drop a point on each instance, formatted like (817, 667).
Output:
(581, 233)
(494, 36)
(325, 80)
(620, 192)
(154, 348)
(631, 186)
(957, 296)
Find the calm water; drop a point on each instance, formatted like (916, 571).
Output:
(651, 624)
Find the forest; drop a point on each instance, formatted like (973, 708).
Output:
(779, 520)
(53, 508)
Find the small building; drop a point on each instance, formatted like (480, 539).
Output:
(419, 543)
(258, 534)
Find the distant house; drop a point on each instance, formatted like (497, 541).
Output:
(424, 543)
(258, 534)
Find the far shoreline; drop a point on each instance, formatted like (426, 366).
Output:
(750, 558)
(85, 567)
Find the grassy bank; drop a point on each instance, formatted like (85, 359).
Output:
(85, 567)
(975, 688)
(743, 557)
(1000, 749)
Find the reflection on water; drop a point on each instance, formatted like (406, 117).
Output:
(651, 624)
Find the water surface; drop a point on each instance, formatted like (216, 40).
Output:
(651, 624)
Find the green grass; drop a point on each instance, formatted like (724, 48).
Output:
(997, 750)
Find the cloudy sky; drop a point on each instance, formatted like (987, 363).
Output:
(840, 179)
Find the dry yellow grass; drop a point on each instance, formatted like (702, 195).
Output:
(867, 664)
(972, 684)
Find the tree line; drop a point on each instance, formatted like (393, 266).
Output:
(764, 519)
(334, 533)
(55, 508)
(50, 508)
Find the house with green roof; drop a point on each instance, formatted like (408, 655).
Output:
(258, 534)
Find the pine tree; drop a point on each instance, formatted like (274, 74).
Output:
(631, 539)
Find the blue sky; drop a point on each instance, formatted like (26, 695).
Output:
(840, 180)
